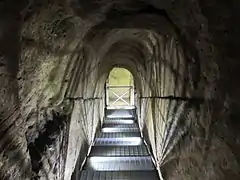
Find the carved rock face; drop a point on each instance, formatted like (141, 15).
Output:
(55, 58)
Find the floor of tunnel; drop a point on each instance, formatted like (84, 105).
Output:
(119, 152)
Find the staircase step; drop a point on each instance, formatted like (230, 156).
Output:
(119, 113)
(118, 135)
(124, 163)
(125, 141)
(118, 138)
(120, 128)
(119, 175)
(119, 121)
(119, 151)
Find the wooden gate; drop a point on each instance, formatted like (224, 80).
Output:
(119, 96)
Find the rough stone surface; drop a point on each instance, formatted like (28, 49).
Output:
(56, 55)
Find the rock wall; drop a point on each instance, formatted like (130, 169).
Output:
(14, 160)
(56, 55)
(39, 51)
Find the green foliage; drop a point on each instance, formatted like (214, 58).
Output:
(120, 77)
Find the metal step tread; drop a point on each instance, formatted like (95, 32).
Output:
(120, 129)
(119, 175)
(119, 121)
(124, 163)
(132, 126)
(119, 118)
(115, 113)
(119, 151)
(117, 134)
(130, 141)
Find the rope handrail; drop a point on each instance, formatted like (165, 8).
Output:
(119, 87)
(175, 98)
(82, 98)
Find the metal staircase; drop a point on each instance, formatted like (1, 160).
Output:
(119, 152)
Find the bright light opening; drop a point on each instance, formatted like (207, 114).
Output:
(120, 89)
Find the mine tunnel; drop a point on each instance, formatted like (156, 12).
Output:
(55, 61)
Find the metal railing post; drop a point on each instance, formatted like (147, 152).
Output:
(132, 95)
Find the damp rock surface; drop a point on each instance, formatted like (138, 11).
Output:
(56, 55)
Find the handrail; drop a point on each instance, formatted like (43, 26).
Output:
(119, 86)
(200, 99)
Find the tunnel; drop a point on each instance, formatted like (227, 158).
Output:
(55, 60)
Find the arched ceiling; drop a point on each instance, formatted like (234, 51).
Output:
(55, 57)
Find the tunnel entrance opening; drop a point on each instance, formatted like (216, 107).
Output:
(119, 89)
